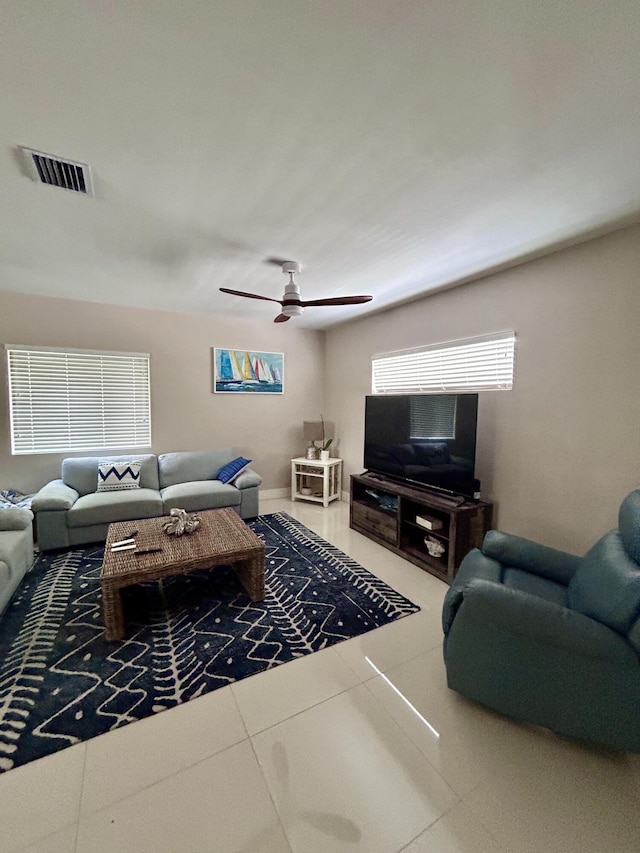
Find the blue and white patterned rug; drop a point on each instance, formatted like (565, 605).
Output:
(62, 683)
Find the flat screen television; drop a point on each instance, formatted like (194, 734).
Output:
(426, 440)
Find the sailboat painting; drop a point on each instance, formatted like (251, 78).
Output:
(238, 371)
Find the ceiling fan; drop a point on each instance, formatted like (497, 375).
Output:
(292, 305)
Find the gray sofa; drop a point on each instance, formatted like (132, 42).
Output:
(16, 550)
(71, 511)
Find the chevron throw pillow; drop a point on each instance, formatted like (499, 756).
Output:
(118, 475)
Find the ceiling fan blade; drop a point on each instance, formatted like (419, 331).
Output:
(250, 295)
(338, 300)
(277, 262)
(281, 318)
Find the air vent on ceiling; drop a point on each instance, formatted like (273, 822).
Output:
(48, 169)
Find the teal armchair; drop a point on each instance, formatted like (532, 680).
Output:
(549, 638)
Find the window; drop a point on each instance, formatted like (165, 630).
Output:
(72, 400)
(472, 364)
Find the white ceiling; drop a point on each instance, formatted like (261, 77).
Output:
(393, 147)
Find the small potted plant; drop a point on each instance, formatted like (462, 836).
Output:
(324, 450)
(326, 444)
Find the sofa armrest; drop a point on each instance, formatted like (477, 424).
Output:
(56, 495)
(533, 557)
(543, 622)
(247, 478)
(15, 518)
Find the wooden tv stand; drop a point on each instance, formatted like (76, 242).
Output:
(389, 517)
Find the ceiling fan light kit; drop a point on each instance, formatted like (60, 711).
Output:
(292, 305)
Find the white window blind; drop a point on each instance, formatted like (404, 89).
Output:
(473, 364)
(71, 400)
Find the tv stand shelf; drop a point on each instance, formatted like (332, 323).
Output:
(386, 512)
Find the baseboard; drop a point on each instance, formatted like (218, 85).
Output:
(272, 494)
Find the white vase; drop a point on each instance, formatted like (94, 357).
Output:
(324, 455)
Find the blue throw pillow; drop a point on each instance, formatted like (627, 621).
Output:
(230, 471)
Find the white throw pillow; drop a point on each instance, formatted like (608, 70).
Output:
(113, 476)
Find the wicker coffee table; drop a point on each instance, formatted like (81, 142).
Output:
(221, 538)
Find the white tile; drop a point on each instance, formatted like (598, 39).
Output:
(222, 804)
(530, 789)
(270, 697)
(130, 758)
(390, 645)
(344, 777)
(570, 799)
(465, 742)
(457, 831)
(40, 798)
(63, 841)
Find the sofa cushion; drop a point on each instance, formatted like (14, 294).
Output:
(229, 472)
(116, 476)
(187, 466)
(202, 494)
(81, 473)
(106, 507)
(15, 518)
(607, 584)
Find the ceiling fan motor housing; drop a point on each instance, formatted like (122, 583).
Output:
(292, 310)
(291, 291)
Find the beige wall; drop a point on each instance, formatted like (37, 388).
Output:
(559, 452)
(556, 454)
(185, 414)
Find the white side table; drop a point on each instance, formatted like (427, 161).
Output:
(314, 480)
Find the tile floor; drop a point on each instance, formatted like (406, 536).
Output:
(360, 747)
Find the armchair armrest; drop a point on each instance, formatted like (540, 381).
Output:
(247, 478)
(544, 622)
(56, 495)
(533, 557)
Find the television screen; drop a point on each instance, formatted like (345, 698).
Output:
(425, 439)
